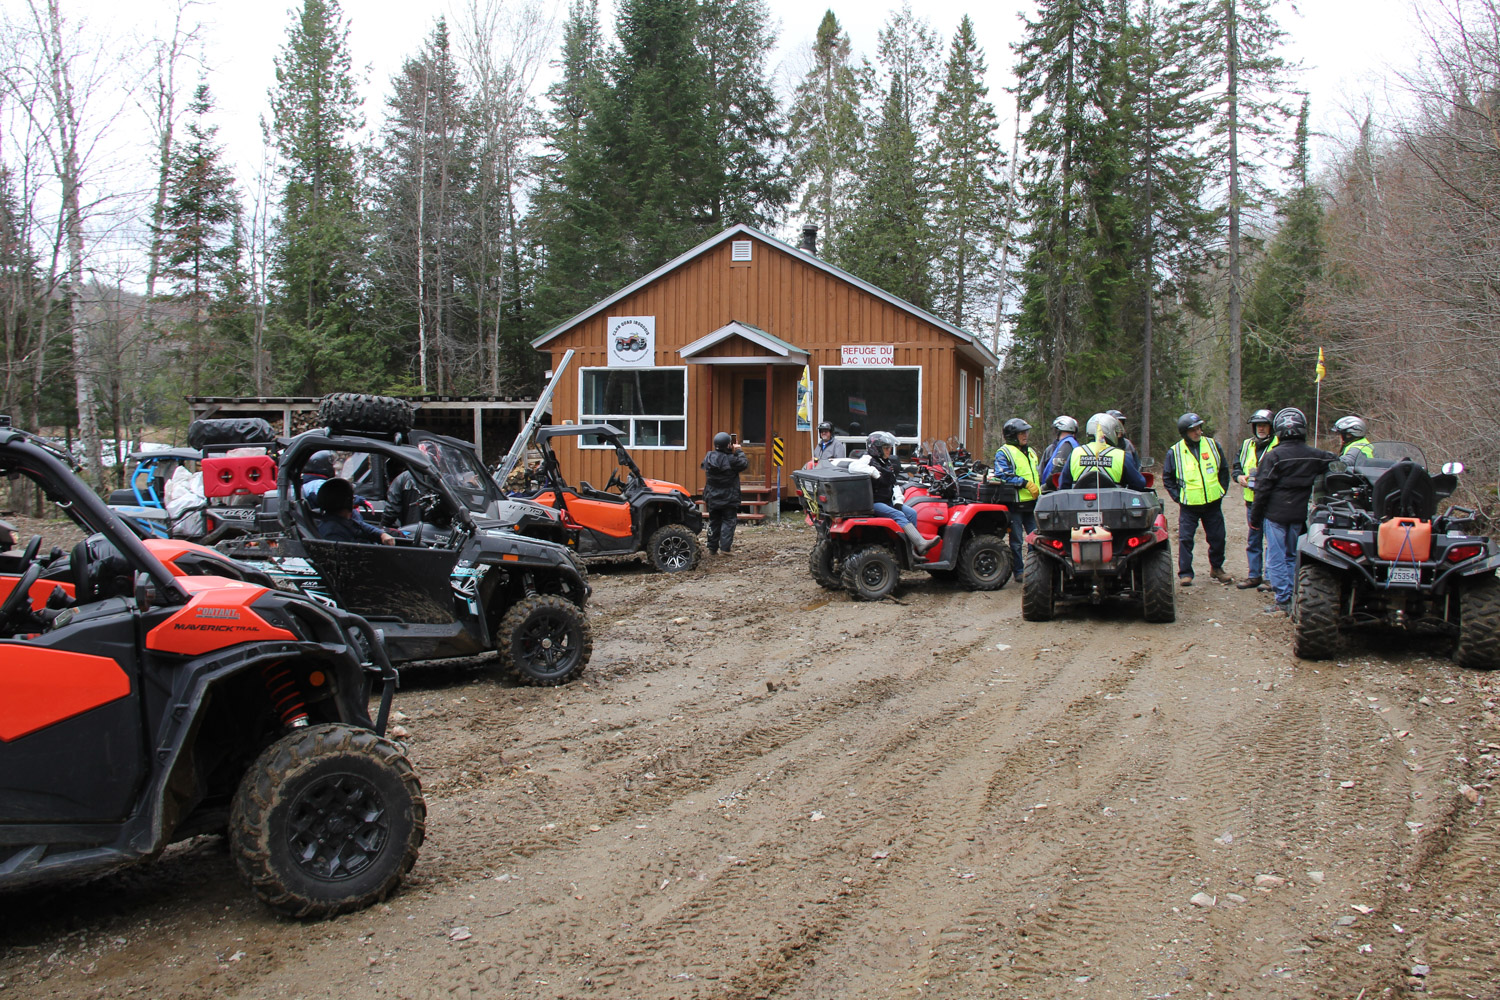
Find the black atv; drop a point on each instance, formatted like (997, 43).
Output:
(1378, 553)
(139, 708)
(645, 515)
(462, 580)
(1093, 544)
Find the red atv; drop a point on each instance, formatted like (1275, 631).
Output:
(865, 554)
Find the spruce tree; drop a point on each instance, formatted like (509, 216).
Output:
(889, 241)
(826, 131)
(198, 235)
(967, 190)
(319, 244)
(750, 182)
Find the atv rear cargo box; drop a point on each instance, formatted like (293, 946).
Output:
(835, 492)
(1116, 510)
(986, 492)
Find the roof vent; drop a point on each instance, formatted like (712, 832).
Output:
(810, 239)
(739, 250)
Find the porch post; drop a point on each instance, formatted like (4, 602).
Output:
(770, 422)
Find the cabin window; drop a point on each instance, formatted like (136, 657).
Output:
(648, 404)
(858, 400)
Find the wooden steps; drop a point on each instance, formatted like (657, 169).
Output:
(752, 498)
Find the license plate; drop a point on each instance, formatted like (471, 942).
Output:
(1090, 517)
(1405, 574)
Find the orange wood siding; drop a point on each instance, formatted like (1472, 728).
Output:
(778, 292)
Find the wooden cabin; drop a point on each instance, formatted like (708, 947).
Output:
(747, 334)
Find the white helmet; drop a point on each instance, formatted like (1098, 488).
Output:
(1066, 424)
(1106, 426)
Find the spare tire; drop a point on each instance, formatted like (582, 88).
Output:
(229, 431)
(355, 411)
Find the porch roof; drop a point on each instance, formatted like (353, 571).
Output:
(777, 351)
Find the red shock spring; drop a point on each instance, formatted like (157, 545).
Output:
(285, 697)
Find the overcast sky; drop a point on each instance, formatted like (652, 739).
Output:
(1346, 46)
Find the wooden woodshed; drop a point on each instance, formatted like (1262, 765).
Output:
(747, 334)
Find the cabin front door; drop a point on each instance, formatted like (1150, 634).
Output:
(743, 414)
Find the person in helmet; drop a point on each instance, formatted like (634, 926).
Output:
(721, 491)
(1016, 464)
(827, 447)
(1125, 442)
(338, 522)
(1283, 484)
(1355, 434)
(318, 469)
(1100, 462)
(879, 463)
(1252, 451)
(1055, 458)
(1197, 477)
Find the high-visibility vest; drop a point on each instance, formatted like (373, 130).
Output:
(1363, 446)
(1025, 465)
(1198, 470)
(1250, 461)
(1105, 459)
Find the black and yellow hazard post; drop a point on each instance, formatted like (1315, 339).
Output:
(778, 455)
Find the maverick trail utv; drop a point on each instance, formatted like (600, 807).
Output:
(857, 551)
(462, 581)
(644, 515)
(1093, 544)
(139, 708)
(1377, 553)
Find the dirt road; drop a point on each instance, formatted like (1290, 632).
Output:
(767, 790)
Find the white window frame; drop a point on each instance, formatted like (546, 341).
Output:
(963, 410)
(626, 422)
(847, 439)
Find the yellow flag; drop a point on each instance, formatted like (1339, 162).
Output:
(1321, 370)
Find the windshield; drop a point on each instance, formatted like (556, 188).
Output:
(463, 472)
(1386, 454)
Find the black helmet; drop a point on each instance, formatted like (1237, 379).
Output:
(878, 440)
(722, 440)
(1117, 415)
(1065, 424)
(1259, 417)
(1351, 428)
(1106, 426)
(1290, 423)
(320, 464)
(336, 495)
(826, 425)
(1187, 422)
(1014, 428)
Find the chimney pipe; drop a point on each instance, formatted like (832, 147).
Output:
(809, 239)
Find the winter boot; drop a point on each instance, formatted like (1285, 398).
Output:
(919, 544)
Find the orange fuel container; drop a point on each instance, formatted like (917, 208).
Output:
(1406, 539)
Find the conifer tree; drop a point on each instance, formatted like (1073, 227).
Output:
(319, 245)
(889, 238)
(967, 190)
(750, 182)
(200, 249)
(826, 130)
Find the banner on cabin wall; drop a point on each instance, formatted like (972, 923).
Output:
(631, 341)
(804, 401)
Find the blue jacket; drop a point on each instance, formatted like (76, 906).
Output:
(1005, 470)
(1053, 451)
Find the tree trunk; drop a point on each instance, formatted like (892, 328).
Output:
(1236, 307)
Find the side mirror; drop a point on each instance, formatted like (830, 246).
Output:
(1338, 466)
(1453, 468)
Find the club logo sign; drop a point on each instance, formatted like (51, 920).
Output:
(632, 341)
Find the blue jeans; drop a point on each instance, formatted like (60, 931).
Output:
(1255, 548)
(1281, 556)
(898, 514)
(1189, 516)
(1021, 521)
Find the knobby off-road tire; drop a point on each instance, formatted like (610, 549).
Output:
(544, 640)
(327, 820)
(1158, 595)
(984, 562)
(1038, 589)
(355, 411)
(1315, 617)
(1479, 624)
(823, 564)
(871, 574)
(672, 548)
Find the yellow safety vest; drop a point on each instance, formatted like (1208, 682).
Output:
(1198, 470)
(1250, 461)
(1363, 446)
(1025, 466)
(1102, 458)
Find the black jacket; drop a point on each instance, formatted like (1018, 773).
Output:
(403, 501)
(722, 471)
(884, 485)
(1284, 482)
